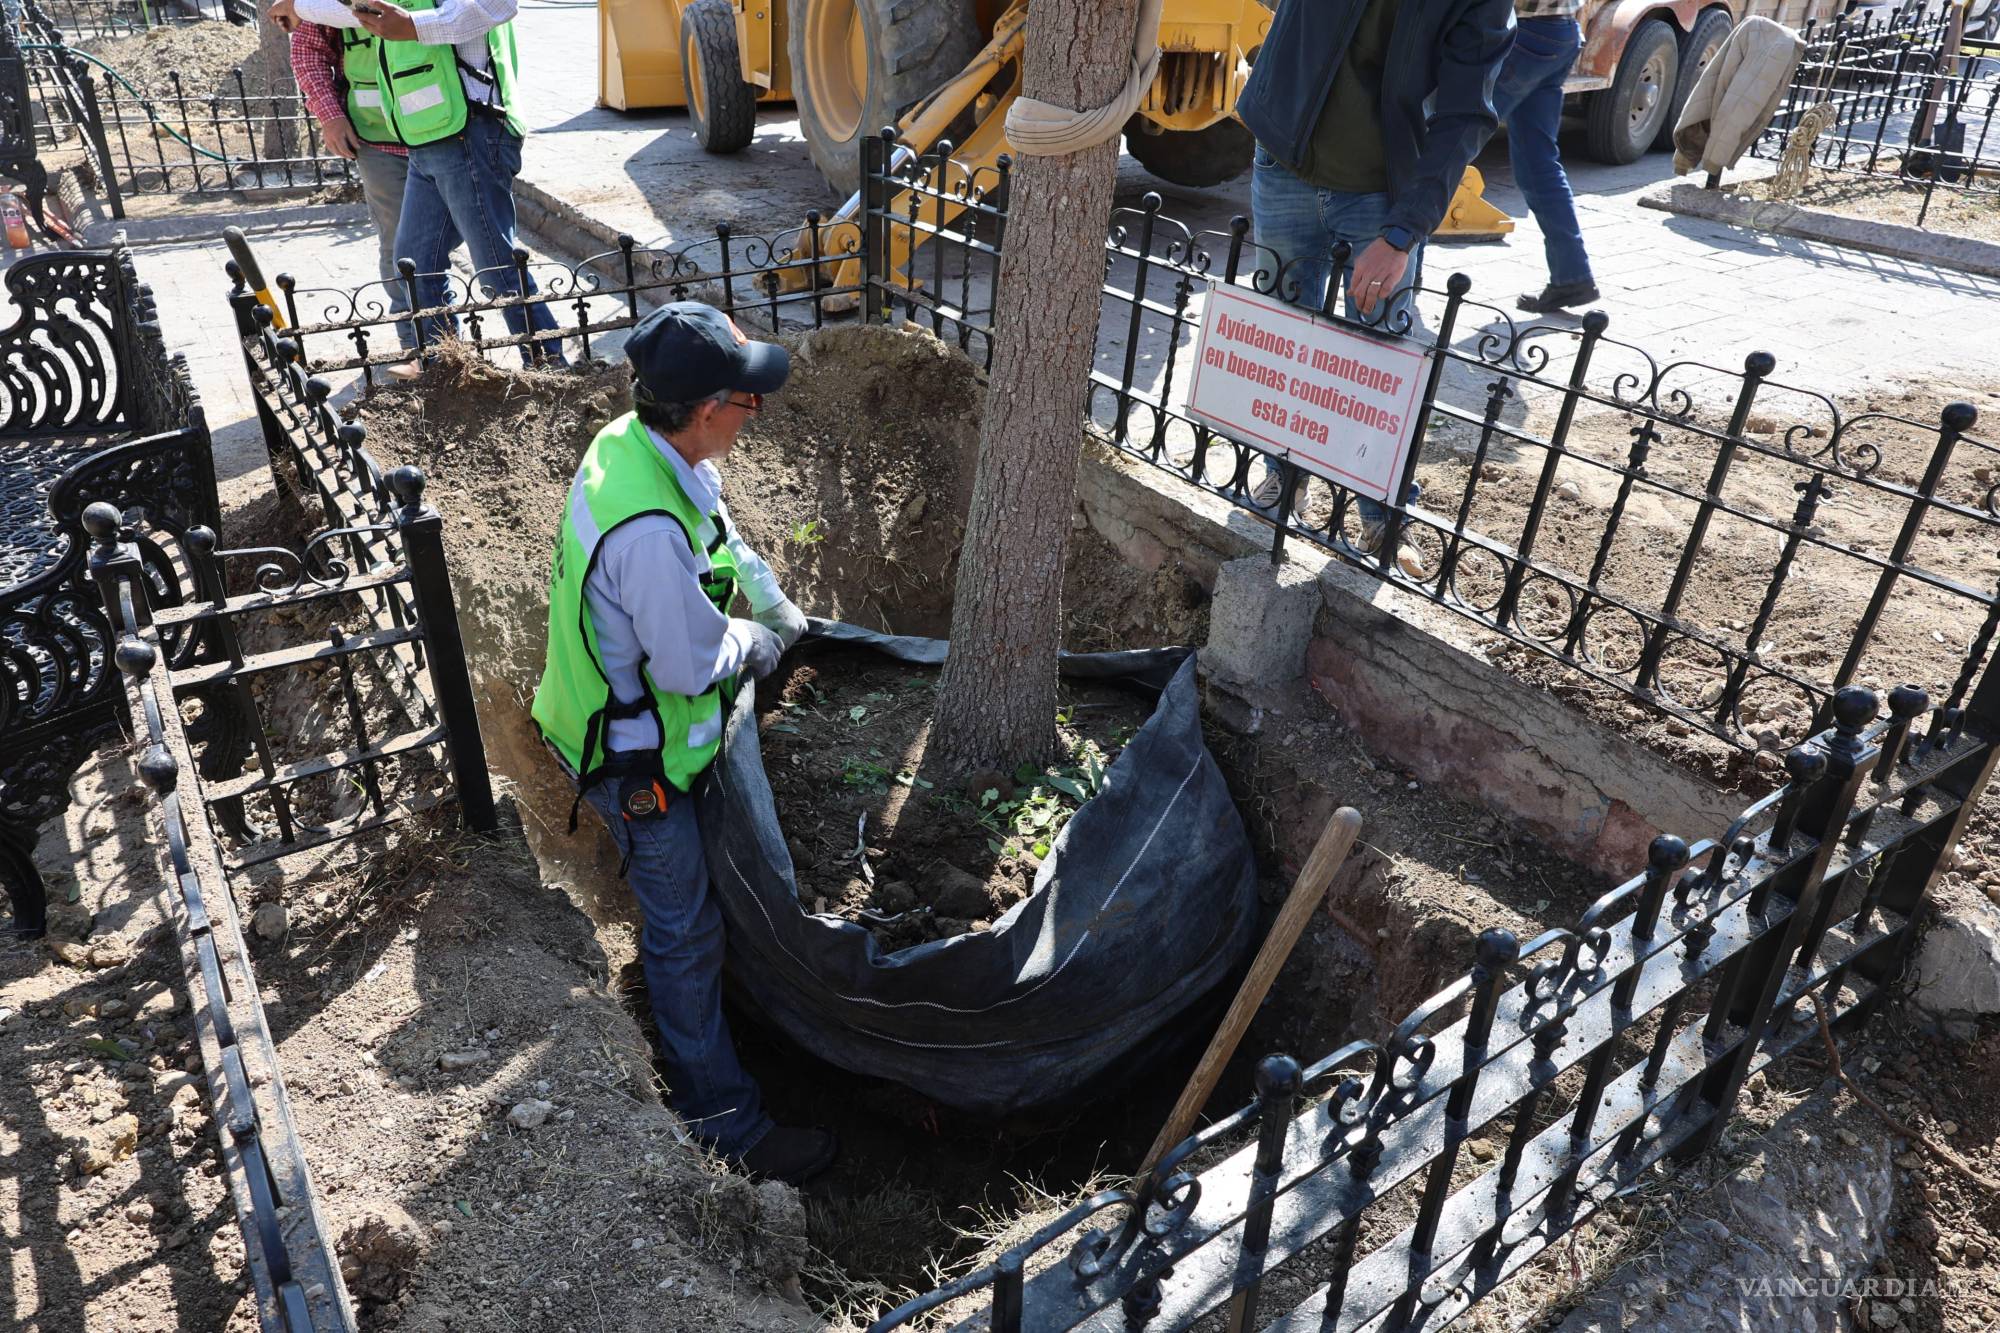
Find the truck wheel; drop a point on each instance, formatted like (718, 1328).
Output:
(1198, 158)
(1622, 121)
(1711, 30)
(722, 106)
(857, 65)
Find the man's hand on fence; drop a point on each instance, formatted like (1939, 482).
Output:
(340, 137)
(285, 16)
(387, 20)
(1377, 274)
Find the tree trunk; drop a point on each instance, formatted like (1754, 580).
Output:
(273, 93)
(997, 699)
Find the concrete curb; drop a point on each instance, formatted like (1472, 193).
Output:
(1809, 224)
(558, 224)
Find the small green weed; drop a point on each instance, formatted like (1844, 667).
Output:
(809, 533)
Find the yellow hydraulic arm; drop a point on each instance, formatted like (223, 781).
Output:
(1469, 216)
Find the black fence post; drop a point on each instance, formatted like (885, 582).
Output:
(422, 530)
(1749, 999)
(1278, 1082)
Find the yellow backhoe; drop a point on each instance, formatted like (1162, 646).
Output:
(935, 69)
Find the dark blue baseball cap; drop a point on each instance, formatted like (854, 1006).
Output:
(686, 351)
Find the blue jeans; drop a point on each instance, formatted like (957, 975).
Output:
(383, 177)
(680, 948)
(1301, 223)
(464, 187)
(1529, 97)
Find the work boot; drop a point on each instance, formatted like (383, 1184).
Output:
(1407, 557)
(792, 1155)
(1558, 296)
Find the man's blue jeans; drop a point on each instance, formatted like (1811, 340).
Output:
(464, 187)
(680, 948)
(1529, 98)
(1301, 223)
(383, 178)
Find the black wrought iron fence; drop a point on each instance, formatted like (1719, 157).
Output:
(1896, 96)
(1599, 1055)
(92, 409)
(1716, 542)
(48, 110)
(794, 279)
(288, 1251)
(140, 138)
(113, 18)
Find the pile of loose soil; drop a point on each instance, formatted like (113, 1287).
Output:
(205, 56)
(854, 481)
(876, 841)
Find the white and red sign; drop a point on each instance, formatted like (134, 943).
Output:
(1339, 403)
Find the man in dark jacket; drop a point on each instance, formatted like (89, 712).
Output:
(1347, 151)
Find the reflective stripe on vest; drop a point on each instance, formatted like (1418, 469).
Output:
(426, 99)
(623, 477)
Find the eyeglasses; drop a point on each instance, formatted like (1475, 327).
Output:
(753, 407)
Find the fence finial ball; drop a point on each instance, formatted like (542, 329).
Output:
(1960, 416)
(1278, 1075)
(201, 540)
(1458, 284)
(1497, 948)
(102, 521)
(1759, 365)
(1854, 708)
(159, 769)
(1667, 852)
(408, 484)
(1595, 322)
(1805, 764)
(135, 657)
(1907, 701)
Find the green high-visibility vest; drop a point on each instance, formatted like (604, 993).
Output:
(623, 477)
(411, 93)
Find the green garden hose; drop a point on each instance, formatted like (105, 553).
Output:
(140, 97)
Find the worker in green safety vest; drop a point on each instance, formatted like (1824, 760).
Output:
(644, 658)
(440, 78)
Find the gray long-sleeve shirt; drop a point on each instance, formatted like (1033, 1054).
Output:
(647, 604)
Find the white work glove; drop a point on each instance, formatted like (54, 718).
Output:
(784, 620)
(760, 658)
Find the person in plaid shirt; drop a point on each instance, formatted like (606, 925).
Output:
(383, 168)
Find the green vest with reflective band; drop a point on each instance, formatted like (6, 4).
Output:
(411, 92)
(623, 477)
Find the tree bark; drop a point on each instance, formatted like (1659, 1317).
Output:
(273, 92)
(997, 699)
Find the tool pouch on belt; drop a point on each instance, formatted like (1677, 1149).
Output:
(640, 785)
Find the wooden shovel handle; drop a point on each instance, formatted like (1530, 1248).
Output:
(1335, 841)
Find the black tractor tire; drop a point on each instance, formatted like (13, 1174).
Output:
(1196, 158)
(1711, 30)
(910, 49)
(1621, 122)
(722, 107)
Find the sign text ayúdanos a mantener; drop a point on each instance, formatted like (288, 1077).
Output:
(1339, 402)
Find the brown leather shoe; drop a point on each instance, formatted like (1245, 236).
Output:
(792, 1155)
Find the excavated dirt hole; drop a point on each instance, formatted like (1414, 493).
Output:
(854, 484)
